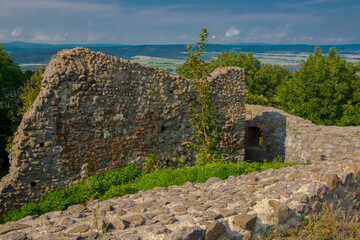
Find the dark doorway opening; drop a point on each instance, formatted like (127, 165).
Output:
(254, 137)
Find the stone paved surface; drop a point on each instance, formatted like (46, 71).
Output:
(237, 208)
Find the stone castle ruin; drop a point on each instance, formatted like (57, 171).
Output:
(295, 139)
(96, 113)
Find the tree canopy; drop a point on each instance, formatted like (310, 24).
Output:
(262, 82)
(11, 78)
(324, 90)
(30, 90)
(18, 90)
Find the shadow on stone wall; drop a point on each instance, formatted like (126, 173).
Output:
(296, 139)
(265, 137)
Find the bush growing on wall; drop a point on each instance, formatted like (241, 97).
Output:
(206, 120)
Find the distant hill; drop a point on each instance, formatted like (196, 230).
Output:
(25, 53)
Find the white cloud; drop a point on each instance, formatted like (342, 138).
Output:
(282, 32)
(58, 38)
(58, 5)
(41, 38)
(93, 37)
(17, 32)
(232, 32)
(2, 34)
(335, 40)
(90, 21)
(320, 1)
(306, 38)
(278, 34)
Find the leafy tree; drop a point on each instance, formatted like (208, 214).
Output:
(266, 84)
(206, 120)
(30, 90)
(243, 60)
(28, 73)
(324, 90)
(262, 83)
(351, 111)
(27, 95)
(11, 78)
(186, 69)
(358, 67)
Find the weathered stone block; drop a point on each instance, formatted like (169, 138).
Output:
(281, 211)
(331, 180)
(245, 221)
(214, 230)
(9, 227)
(82, 137)
(193, 233)
(47, 144)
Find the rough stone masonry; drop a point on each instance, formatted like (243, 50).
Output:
(95, 113)
(295, 139)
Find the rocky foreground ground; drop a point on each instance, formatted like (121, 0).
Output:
(242, 207)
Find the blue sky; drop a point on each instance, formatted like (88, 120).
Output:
(169, 21)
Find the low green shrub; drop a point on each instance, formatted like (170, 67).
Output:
(92, 188)
(152, 162)
(99, 184)
(129, 181)
(327, 224)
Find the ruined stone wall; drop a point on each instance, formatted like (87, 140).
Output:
(229, 97)
(95, 113)
(298, 140)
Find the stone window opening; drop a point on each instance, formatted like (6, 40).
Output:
(256, 135)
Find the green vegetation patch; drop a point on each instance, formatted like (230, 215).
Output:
(3, 172)
(129, 181)
(326, 224)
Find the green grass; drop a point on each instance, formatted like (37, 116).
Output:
(327, 224)
(130, 180)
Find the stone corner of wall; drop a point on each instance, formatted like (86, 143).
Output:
(225, 70)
